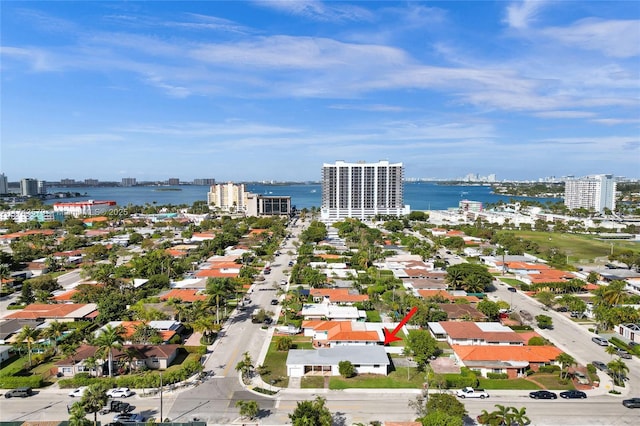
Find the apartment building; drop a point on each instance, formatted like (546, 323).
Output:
(227, 197)
(595, 192)
(86, 208)
(362, 190)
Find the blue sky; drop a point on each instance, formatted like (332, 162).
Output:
(259, 90)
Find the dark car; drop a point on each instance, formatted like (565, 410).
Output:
(274, 301)
(600, 366)
(631, 403)
(511, 289)
(19, 392)
(291, 263)
(268, 320)
(573, 394)
(562, 309)
(542, 394)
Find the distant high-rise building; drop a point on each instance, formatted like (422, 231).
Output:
(129, 182)
(205, 181)
(595, 192)
(42, 187)
(227, 197)
(91, 182)
(29, 187)
(173, 181)
(362, 190)
(4, 184)
(491, 177)
(67, 181)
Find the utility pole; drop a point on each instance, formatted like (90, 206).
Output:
(161, 418)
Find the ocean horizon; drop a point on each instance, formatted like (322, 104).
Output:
(418, 195)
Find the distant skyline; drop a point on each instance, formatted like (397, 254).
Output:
(271, 90)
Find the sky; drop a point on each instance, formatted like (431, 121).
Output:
(271, 90)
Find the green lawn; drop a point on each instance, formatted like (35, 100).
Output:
(577, 247)
(550, 381)
(312, 382)
(276, 361)
(373, 316)
(511, 281)
(507, 384)
(395, 379)
(401, 335)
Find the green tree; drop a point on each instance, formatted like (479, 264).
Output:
(28, 335)
(245, 365)
(440, 418)
(284, 343)
(54, 332)
(422, 346)
(248, 409)
(446, 403)
(346, 369)
(619, 369)
(311, 413)
(565, 361)
(26, 295)
(77, 415)
(94, 399)
(546, 298)
(519, 416)
(489, 308)
(109, 339)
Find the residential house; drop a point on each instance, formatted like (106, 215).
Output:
(325, 361)
(63, 312)
(512, 360)
(166, 329)
(461, 312)
(629, 331)
(331, 312)
(188, 295)
(337, 333)
(10, 327)
(6, 352)
(475, 333)
(340, 296)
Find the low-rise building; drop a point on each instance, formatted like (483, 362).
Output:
(325, 361)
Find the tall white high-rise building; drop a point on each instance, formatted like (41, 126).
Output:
(4, 184)
(595, 192)
(28, 187)
(227, 197)
(362, 190)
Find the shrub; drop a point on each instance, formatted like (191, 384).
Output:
(346, 369)
(549, 369)
(536, 341)
(591, 369)
(497, 376)
(284, 343)
(465, 378)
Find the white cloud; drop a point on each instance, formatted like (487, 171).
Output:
(613, 38)
(565, 114)
(318, 10)
(521, 14)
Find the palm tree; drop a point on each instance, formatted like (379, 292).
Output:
(245, 365)
(55, 331)
(217, 288)
(565, 361)
(519, 417)
(29, 335)
(130, 354)
(94, 399)
(454, 278)
(611, 350)
(619, 369)
(109, 339)
(91, 363)
(78, 417)
(503, 415)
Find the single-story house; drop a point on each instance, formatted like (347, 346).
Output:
(325, 361)
(475, 333)
(63, 312)
(336, 333)
(512, 360)
(10, 327)
(341, 296)
(331, 312)
(6, 351)
(457, 312)
(166, 329)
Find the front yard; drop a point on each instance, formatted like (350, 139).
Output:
(396, 379)
(275, 362)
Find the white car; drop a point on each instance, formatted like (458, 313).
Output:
(119, 393)
(79, 392)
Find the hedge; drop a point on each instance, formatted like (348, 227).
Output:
(13, 382)
(623, 345)
(464, 379)
(549, 369)
(497, 376)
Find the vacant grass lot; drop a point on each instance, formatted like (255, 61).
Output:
(396, 379)
(577, 247)
(312, 382)
(276, 361)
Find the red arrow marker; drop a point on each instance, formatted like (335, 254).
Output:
(390, 336)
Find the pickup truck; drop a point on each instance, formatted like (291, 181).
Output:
(469, 392)
(117, 407)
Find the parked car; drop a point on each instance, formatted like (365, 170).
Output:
(543, 394)
(469, 392)
(581, 378)
(631, 403)
(600, 341)
(119, 393)
(268, 320)
(79, 392)
(562, 309)
(114, 406)
(274, 301)
(19, 393)
(512, 289)
(291, 263)
(129, 418)
(573, 394)
(623, 354)
(633, 344)
(600, 366)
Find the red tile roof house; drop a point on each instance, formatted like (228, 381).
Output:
(458, 312)
(153, 357)
(188, 295)
(63, 312)
(471, 333)
(512, 360)
(341, 296)
(166, 329)
(341, 333)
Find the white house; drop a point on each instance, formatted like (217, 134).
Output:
(318, 311)
(365, 359)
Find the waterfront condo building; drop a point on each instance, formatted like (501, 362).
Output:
(595, 192)
(28, 187)
(362, 190)
(86, 208)
(227, 197)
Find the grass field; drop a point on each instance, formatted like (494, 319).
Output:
(579, 248)
(396, 379)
